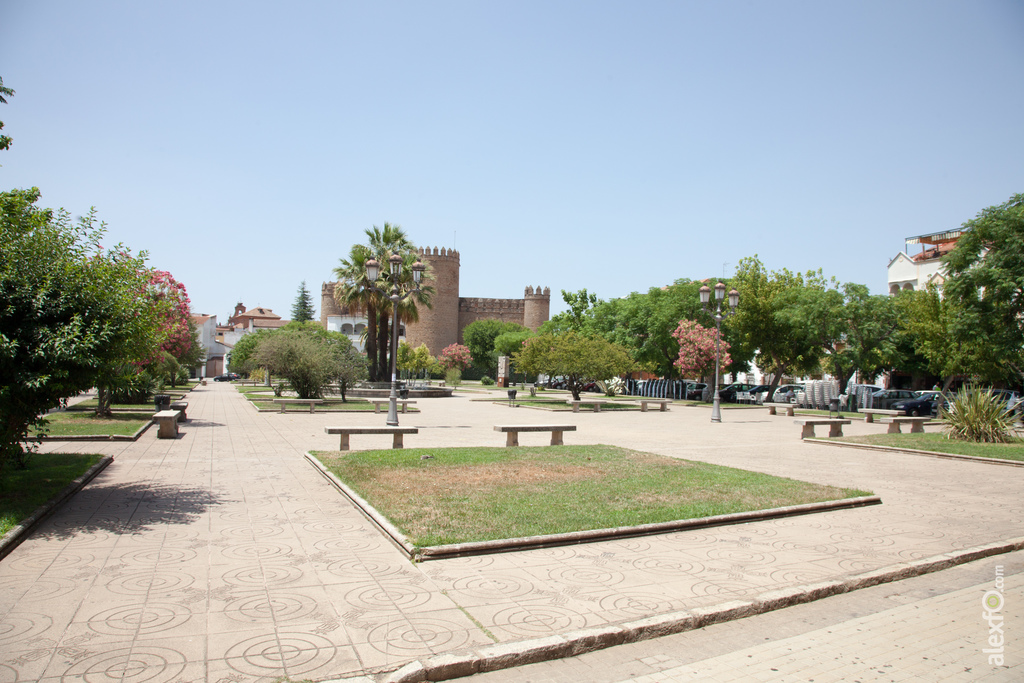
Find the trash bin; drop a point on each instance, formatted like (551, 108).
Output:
(404, 393)
(833, 407)
(162, 401)
(511, 396)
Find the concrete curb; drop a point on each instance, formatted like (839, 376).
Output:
(572, 538)
(18, 534)
(507, 655)
(914, 451)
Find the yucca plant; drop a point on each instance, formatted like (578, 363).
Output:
(978, 415)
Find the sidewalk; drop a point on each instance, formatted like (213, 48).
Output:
(222, 555)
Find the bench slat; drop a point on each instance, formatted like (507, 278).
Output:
(397, 432)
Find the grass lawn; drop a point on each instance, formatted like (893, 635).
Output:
(479, 494)
(934, 441)
(78, 424)
(332, 405)
(24, 491)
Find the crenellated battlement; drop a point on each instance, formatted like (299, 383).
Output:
(433, 254)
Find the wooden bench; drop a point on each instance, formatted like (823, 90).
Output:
(402, 402)
(916, 424)
(181, 406)
(512, 432)
(576, 405)
(773, 408)
(397, 432)
(869, 413)
(285, 402)
(835, 426)
(663, 402)
(167, 423)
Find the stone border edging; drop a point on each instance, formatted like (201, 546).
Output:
(12, 538)
(508, 655)
(914, 451)
(441, 552)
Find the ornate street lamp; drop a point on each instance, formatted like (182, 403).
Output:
(705, 299)
(397, 296)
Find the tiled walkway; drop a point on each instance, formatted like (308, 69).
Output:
(223, 556)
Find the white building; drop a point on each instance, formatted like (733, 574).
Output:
(917, 271)
(214, 350)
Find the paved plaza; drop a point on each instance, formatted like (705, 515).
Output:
(223, 555)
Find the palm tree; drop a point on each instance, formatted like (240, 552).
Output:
(355, 291)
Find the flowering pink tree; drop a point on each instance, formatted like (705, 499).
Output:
(455, 356)
(697, 349)
(174, 313)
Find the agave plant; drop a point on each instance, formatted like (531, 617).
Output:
(978, 415)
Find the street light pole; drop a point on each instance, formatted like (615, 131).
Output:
(397, 297)
(734, 299)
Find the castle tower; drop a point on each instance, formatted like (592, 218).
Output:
(328, 306)
(536, 307)
(438, 326)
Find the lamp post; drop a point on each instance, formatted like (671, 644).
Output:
(705, 299)
(397, 296)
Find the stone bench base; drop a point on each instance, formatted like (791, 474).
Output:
(377, 405)
(167, 423)
(916, 424)
(512, 432)
(285, 402)
(397, 432)
(869, 413)
(659, 402)
(773, 408)
(835, 426)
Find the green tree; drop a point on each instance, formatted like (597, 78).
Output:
(355, 290)
(985, 287)
(309, 357)
(5, 141)
(241, 358)
(479, 336)
(579, 315)
(783, 344)
(70, 311)
(303, 309)
(577, 357)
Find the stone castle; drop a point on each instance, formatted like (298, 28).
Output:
(442, 325)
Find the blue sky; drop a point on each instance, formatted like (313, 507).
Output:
(612, 146)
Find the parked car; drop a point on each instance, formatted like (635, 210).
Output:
(728, 394)
(785, 393)
(694, 390)
(924, 403)
(222, 378)
(886, 398)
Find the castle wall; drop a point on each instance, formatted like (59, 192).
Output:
(442, 324)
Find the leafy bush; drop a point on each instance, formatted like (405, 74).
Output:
(978, 415)
(132, 388)
(453, 377)
(486, 380)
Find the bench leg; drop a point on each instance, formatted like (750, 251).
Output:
(894, 428)
(771, 410)
(404, 406)
(835, 430)
(556, 438)
(397, 442)
(310, 407)
(376, 408)
(790, 412)
(643, 407)
(283, 406)
(511, 439)
(807, 432)
(664, 407)
(869, 418)
(597, 407)
(575, 407)
(916, 427)
(344, 442)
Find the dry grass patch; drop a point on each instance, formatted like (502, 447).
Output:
(462, 495)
